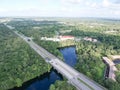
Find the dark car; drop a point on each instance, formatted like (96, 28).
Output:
(28, 39)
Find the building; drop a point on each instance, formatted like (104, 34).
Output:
(50, 39)
(59, 38)
(62, 38)
(90, 39)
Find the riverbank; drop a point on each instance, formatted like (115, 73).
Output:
(41, 82)
(19, 63)
(48, 80)
(66, 43)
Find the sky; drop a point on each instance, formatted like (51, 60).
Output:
(61, 8)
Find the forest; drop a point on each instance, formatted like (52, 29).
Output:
(89, 54)
(18, 62)
(62, 85)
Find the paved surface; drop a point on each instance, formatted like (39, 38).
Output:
(80, 81)
(112, 68)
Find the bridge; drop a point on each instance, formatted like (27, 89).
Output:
(77, 79)
(112, 68)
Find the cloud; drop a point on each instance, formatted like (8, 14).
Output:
(87, 3)
(115, 12)
(106, 3)
(110, 5)
(2, 10)
(94, 5)
(65, 9)
(103, 4)
(72, 1)
(117, 2)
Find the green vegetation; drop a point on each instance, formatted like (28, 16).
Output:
(118, 77)
(66, 43)
(89, 53)
(62, 85)
(90, 59)
(18, 62)
(112, 85)
(50, 46)
(118, 66)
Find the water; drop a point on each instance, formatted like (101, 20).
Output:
(117, 61)
(69, 54)
(43, 82)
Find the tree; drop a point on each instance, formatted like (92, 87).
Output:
(18, 82)
(52, 87)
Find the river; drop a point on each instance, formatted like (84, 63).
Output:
(117, 61)
(69, 54)
(43, 82)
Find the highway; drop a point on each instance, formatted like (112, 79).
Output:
(80, 81)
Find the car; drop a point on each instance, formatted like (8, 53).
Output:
(48, 59)
(28, 39)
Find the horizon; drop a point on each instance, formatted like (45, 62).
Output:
(60, 17)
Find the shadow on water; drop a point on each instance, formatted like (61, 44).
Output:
(41, 83)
